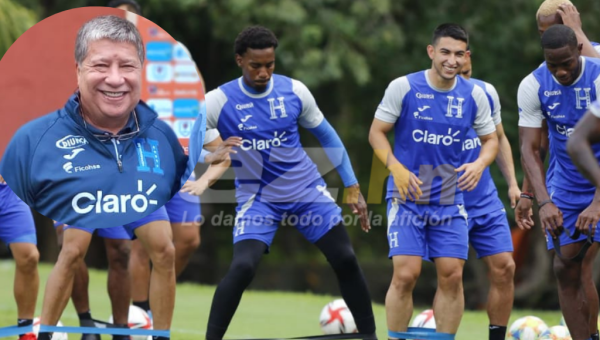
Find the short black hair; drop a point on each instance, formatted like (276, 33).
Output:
(453, 31)
(255, 37)
(132, 3)
(558, 36)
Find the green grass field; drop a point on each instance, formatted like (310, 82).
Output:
(260, 315)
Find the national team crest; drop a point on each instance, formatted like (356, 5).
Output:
(454, 107)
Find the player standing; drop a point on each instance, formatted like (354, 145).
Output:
(431, 113)
(489, 232)
(560, 92)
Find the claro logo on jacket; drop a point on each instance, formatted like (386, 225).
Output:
(99, 202)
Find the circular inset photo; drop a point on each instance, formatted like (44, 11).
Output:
(99, 107)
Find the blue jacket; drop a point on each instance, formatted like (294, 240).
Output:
(60, 168)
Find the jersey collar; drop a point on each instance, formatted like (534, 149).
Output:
(253, 94)
(582, 59)
(437, 88)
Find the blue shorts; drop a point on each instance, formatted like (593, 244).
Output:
(16, 221)
(571, 204)
(127, 231)
(314, 216)
(113, 233)
(490, 234)
(184, 208)
(427, 230)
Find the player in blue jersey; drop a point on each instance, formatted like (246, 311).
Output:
(560, 92)
(431, 113)
(552, 12)
(17, 230)
(489, 232)
(101, 161)
(276, 180)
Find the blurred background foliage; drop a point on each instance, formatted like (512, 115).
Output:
(347, 52)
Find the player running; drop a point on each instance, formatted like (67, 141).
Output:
(277, 179)
(561, 91)
(431, 113)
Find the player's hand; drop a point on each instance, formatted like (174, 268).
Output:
(408, 184)
(357, 203)
(552, 219)
(514, 195)
(468, 181)
(196, 187)
(222, 152)
(570, 16)
(588, 219)
(524, 213)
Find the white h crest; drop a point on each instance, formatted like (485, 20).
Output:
(280, 107)
(239, 228)
(451, 106)
(393, 239)
(579, 98)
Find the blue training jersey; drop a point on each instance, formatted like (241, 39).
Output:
(431, 126)
(58, 166)
(484, 198)
(540, 97)
(550, 155)
(271, 162)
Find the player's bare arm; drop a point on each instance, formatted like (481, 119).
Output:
(220, 151)
(472, 171)
(505, 162)
(406, 182)
(550, 215)
(587, 132)
(570, 17)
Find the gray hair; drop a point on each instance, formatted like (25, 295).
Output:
(107, 27)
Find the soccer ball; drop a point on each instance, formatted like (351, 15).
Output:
(556, 333)
(137, 319)
(424, 320)
(526, 328)
(337, 319)
(55, 336)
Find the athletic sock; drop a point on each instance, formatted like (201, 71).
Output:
(23, 323)
(595, 336)
(145, 305)
(497, 332)
(121, 337)
(44, 336)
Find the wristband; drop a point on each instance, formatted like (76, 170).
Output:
(527, 195)
(543, 203)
